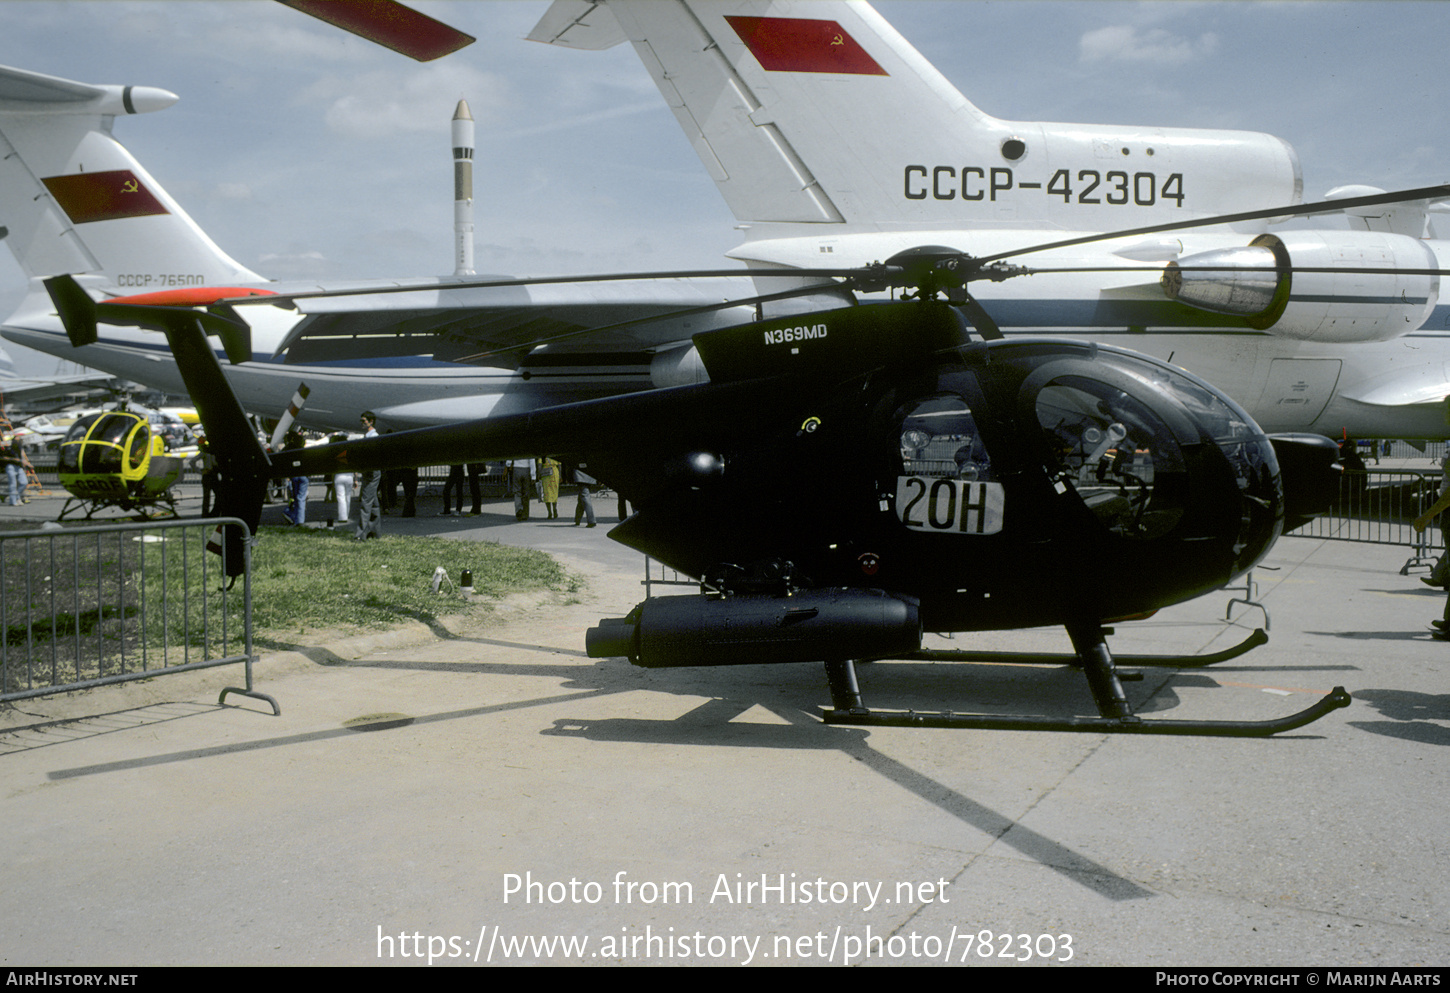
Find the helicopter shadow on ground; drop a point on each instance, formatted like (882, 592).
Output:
(795, 695)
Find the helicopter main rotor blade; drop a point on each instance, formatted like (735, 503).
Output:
(606, 277)
(876, 274)
(710, 308)
(1361, 270)
(390, 24)
(1296, 210)
(980, 319)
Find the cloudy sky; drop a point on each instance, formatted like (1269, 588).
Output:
(307, 153)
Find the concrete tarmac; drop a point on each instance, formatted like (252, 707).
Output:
(496, 797)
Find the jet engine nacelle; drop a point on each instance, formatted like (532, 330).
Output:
(1307, 285)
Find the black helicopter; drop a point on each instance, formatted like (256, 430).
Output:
(952, 484)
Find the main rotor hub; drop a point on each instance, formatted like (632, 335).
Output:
(936, 270)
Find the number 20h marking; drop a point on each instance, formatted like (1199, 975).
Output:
(949, 506)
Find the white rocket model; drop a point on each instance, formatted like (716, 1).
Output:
(463, 190)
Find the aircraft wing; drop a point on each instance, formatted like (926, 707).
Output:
(36, 390)
(1430, 386)
(498, 325)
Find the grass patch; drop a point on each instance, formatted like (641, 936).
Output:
(80, 606)
(308, 579)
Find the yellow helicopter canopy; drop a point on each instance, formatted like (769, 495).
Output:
(105, 449)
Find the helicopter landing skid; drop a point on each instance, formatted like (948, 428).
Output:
(1256, 638)
(160, 508)
(1115, 714)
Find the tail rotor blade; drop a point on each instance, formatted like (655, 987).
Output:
(293, 409)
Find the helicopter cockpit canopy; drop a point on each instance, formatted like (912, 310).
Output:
(112, 443)
(1120, 433)
(1142, 445)
(1115, 452)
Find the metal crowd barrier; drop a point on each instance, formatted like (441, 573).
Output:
(1377, 506)
(97, 605)
(1380, 506)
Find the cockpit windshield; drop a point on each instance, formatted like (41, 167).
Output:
(1114, 450)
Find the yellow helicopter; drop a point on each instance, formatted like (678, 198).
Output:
(115, 459)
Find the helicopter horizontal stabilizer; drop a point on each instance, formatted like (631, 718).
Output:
(80, 314)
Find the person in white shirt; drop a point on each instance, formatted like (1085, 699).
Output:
(370, 513)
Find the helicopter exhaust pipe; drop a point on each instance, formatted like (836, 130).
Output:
(749, 629)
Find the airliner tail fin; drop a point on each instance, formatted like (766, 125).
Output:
(74, 200)
(817, 117)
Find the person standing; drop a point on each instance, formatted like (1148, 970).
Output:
(453, 488)
(370, 514)
(1440, 573)
(521, 474)
(549, 486)
(584, 508)
(342, 484)
(408, 478)
(475, 487)
(210, 475)
(14, 458)
(1442, 626)
(296, 512)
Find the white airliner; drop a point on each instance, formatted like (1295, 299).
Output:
(834, 143)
